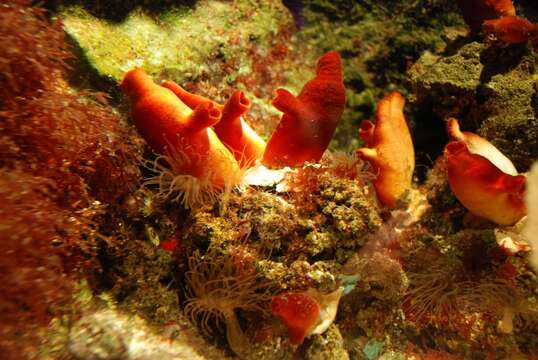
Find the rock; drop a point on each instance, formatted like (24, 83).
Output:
(491, 89)
(183, 43)
(110, 335)
(328, 345)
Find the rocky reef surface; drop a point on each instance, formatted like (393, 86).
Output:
(110, 270)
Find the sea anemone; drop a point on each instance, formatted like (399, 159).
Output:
(443, 291)
(216, 289)
(191, 191)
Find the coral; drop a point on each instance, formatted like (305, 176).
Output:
(512, 29)
(343, 209)
(310, 119)
(483, 188)
(389, 149)
(246, 146)
(475, 12)
(200, 165)
(297, 234)
(216, 290)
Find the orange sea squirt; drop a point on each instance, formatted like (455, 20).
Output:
(170, 127)
(245, 144)
(389, 149)
(482, 188)
(299, 312)
(480, 146)
(512, 29)
(310, 119)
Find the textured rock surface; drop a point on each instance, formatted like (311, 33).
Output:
(111, 335)
(181, 44)
(491, 89)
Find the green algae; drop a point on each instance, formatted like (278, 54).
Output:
(179, 44)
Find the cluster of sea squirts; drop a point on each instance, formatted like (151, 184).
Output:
(293, 248)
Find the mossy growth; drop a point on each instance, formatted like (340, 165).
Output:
(490, 88)
(117, 10)
(328, 345)
(176, 44)
(324, 215)
(139, 276)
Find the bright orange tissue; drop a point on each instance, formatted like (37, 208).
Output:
(482, 188)
(299, 312)
(480, 146)
(171, 128)
(475, 12)
(245, 144)
(512, 29)
(389, 149)
(310, 119)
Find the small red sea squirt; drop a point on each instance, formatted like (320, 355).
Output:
(310, 119)
(475, 12)
(306, 313)
(299, 312)
(512, 29)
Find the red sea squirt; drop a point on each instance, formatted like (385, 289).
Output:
(512, 29)
(389, 149)
(480, 146)
(234, 132)
(482, 187)
(169, 126)
(310, 119)
(299, 312)
(475, 12)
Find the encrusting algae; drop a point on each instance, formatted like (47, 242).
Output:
(231, 227)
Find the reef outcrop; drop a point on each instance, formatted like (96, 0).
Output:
(490, 88)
